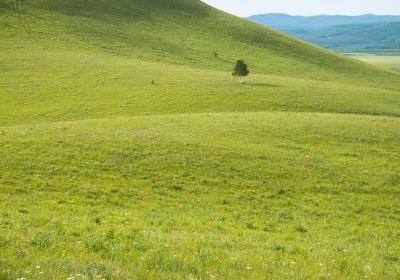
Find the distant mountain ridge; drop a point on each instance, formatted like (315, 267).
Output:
(378, 36)
(288, 22)
(366, 33)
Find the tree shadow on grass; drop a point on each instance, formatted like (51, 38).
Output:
(263, 85)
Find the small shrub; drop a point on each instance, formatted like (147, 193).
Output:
(97, 220)
(279, 248)
(111, 234)
(251, 226)
(23, 211)
(359, 210)
(177, 188)
(41, 240)
(282, 191)
(301, 229)
(271, 227)
(215, 53)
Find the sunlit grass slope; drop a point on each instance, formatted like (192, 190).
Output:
(127, 150)
(250, 195)
(74, 59)
(71, 85)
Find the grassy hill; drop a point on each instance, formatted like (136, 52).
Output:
(128, 151)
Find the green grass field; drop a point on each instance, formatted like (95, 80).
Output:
(385, 61)
(128, 151)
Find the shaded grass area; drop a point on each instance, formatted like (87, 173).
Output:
(243, 195)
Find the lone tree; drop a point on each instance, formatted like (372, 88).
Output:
(240, 70)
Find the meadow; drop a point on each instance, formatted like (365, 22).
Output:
(128, 151)
(385, 61)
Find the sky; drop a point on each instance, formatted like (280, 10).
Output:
(308, 7)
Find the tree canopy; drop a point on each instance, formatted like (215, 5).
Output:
(240, 70)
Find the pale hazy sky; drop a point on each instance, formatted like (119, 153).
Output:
(308, 7)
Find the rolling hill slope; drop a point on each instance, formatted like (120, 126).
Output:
(128, 151)
(172, 48)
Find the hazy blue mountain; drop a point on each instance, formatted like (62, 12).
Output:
(370, 33)
(379, 36)
(288, 22)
